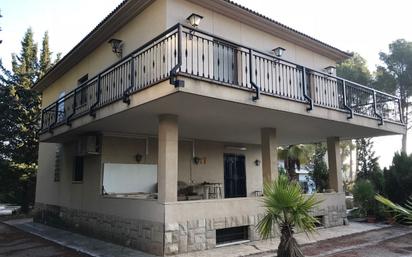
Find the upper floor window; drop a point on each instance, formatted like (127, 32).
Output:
(60, 107)
(82, 99)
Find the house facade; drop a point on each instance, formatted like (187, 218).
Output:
(161, 140)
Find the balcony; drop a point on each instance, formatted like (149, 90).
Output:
(184, 52)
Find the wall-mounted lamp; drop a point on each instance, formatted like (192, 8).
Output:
(330, 70)
(139, 158)
(233, 147)
(194, 21)
(117, 46)
(257, 162)
(278, 51)
(196, 160)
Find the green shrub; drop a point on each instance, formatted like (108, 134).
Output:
(364, 197)
(398, 179)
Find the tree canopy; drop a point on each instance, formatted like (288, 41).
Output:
(395, 77)
(355, 69)
(20, 115)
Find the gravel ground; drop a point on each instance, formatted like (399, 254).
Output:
(387, 242)
(16, 243)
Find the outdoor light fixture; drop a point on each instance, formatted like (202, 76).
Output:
(233, 147)
(196, 160)
(330, 70)
(139, 158)
(279, 51)
(194, 20)
(117, 46)
(257, 162)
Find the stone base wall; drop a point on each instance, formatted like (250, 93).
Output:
(143, 235)
(333, 215)
(198, 235)
(163, 239)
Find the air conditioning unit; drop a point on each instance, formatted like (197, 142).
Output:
(89, 145)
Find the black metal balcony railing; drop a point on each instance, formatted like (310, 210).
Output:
(192, 53)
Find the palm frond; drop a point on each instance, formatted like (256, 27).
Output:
(286, 205)
(404, 213)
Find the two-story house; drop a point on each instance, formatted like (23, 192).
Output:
(160, 127)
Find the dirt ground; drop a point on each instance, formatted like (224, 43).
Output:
(16, 243)
(387, 242)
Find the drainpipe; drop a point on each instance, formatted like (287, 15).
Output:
(173, 73)
(92, 112)
(305, 88)
(126, 93)
(257, 89)
(375, 110)
(345, 101)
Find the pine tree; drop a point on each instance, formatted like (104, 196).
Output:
(20, 114)
(367, 167)
(319, 170)
(45, 56)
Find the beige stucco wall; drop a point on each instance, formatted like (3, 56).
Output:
(123, 150)
(209, 209)
(138, 31)
(46, 189)
(217, 24)
(213, 169)
(163, 14)
(87, 195)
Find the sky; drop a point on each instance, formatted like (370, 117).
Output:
(363, 26)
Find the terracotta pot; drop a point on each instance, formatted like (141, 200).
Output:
(371, 219)
(390, 220)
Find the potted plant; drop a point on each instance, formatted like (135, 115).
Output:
(401, 212)
(364, 198)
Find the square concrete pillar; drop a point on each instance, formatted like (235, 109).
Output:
(167, 163)
(269, 154)
(335, 164)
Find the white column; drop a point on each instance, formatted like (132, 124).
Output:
(335, 164)
(269, 154)
(167, 163)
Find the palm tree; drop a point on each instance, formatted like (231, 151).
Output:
(293, 156)
(402, 212)
(287, 208)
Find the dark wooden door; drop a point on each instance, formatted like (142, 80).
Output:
(235, 176)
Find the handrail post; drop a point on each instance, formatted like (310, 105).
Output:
(56, 114)
(173, 73)
(345, 105)
(42, 121)
(375, 109)
(400, 110)
(126, 93)
(305, 89)
(68, 123)
(92, 112)
(253, 84)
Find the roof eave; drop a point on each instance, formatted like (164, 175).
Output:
(261, 22)
(124, 12)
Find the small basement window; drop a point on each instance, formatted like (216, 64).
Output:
(232, 235)
(320, 223)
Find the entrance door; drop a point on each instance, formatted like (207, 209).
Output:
(235, 176)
